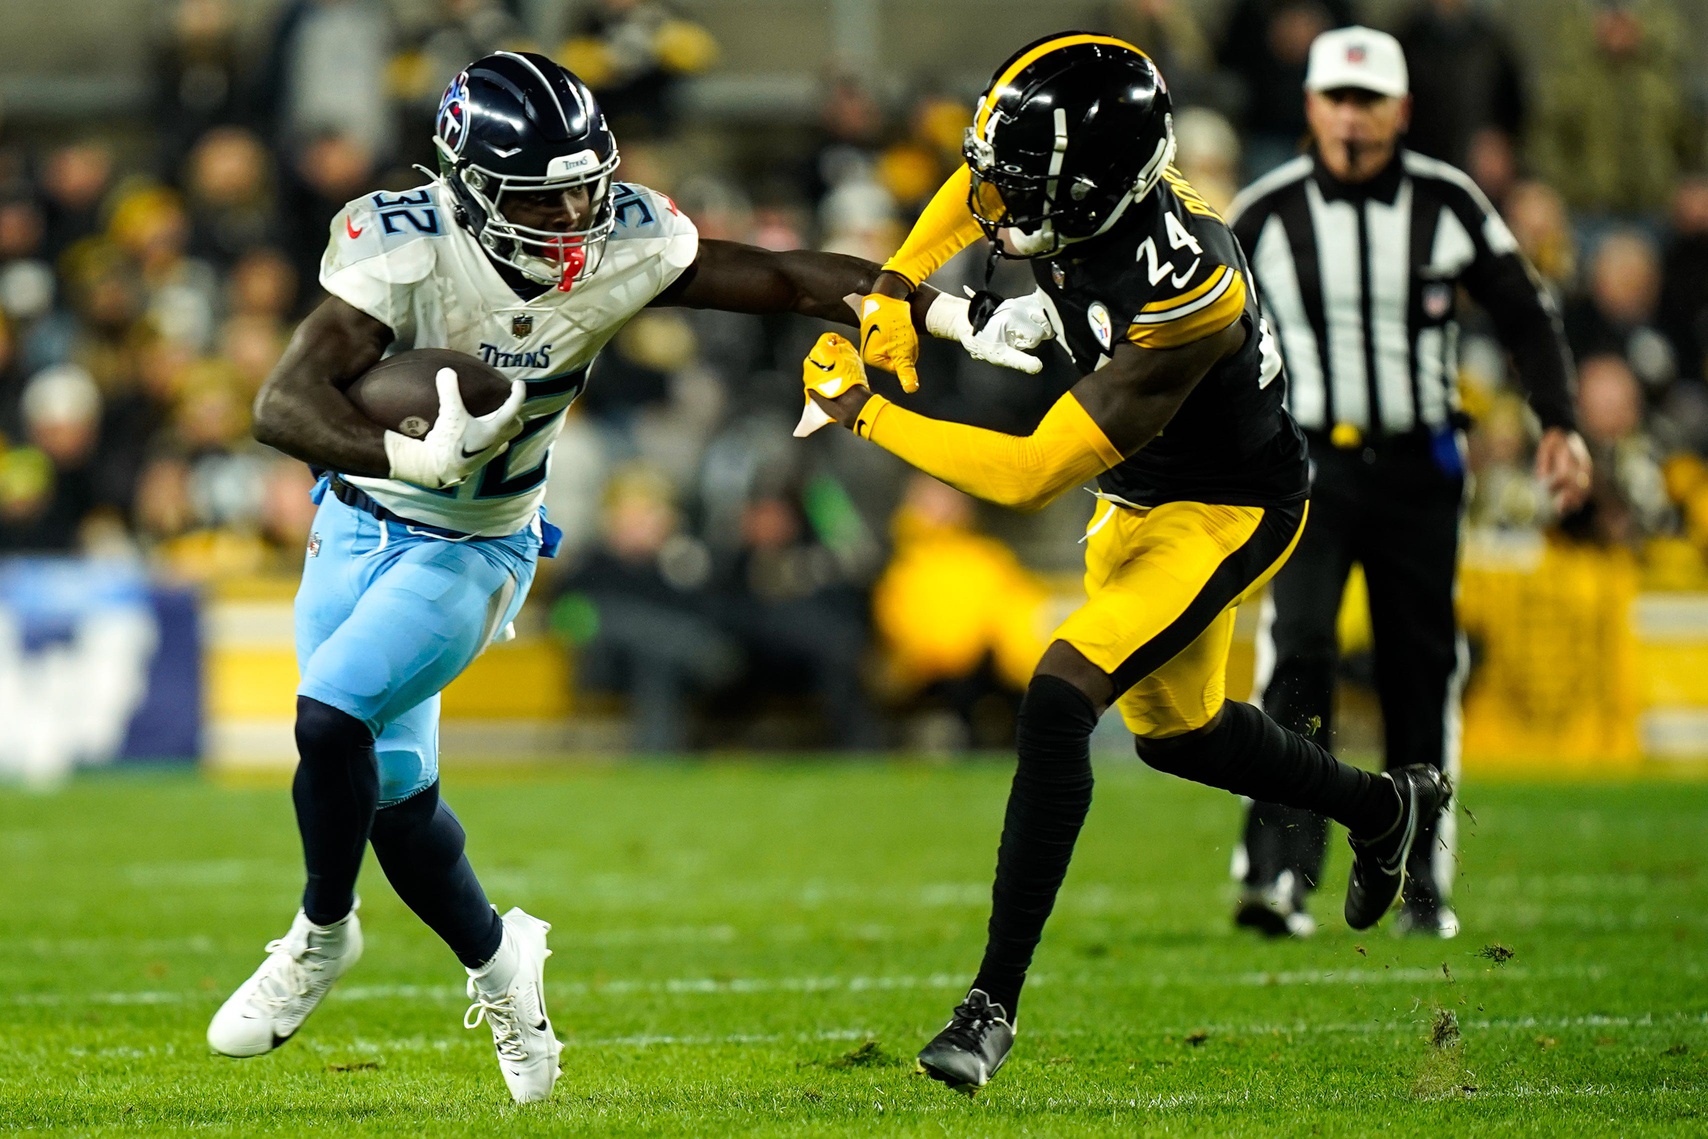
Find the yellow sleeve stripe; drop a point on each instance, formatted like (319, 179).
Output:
(1218, 279)
(945, 227)
(1031, 57)
(1206, 316)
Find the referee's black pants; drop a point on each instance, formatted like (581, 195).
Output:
(1393, 509)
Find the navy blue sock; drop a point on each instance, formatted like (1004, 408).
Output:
(419, 843)
(336, 789)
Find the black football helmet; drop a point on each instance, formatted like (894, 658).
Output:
(1073, 130)
(517, 123)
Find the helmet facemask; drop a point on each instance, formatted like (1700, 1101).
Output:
(1038, 213)
(552, 257)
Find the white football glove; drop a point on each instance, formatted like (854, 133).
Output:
(1008, 338)
(459, 443)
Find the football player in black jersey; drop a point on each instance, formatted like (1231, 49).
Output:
(1068, 164)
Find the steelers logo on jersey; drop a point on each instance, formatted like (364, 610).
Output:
(1098, 317)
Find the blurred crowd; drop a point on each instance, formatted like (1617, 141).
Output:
(720, 577)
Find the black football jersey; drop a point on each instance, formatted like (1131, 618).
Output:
(1174, 278)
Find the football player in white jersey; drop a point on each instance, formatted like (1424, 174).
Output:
(525, 253)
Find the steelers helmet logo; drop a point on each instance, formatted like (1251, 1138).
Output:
(453, 124)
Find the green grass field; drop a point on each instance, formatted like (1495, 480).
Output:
(761, 949)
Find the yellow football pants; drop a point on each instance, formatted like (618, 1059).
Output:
(1164, 583)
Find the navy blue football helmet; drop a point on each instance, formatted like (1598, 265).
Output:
(517, 123)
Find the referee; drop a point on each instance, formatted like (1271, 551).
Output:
(1359, 248)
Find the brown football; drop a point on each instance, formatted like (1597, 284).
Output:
(400, 393)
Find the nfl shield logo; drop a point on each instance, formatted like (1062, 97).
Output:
(522, 325)
(1355, 53)
(314, 545)
(1057, 274)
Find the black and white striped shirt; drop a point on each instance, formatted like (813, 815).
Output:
(1360, 286)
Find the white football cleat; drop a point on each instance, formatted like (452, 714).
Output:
(268, 1008)
(509, 994)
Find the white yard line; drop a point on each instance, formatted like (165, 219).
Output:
(678, 986)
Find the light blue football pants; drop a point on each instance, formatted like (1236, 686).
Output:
(386, 616)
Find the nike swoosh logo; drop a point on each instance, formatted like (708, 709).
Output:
(350, 228)
(1177, 282)
(821, 367)
(1399, 860)
(868, 339)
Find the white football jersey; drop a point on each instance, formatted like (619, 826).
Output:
(403, 260)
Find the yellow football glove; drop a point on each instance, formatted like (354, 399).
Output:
(887, 337)
(831, 368)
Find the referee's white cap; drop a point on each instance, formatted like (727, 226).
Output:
(1358, 57)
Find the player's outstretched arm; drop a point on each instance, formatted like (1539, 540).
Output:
(734, 277)
(1108, 416)
(301, 409)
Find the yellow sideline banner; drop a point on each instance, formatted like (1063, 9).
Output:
(1576, 671)
(251, 679)
(1558, 684)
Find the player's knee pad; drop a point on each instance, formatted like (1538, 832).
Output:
(323, 731)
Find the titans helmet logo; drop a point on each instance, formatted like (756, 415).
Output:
(453, 125)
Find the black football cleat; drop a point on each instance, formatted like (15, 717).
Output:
(972, 1046)
(1378, 864)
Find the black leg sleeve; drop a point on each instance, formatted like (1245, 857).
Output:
(1246, 752)
(419, 843)
(1046, 808)
(336, 789)
(1298, 697)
